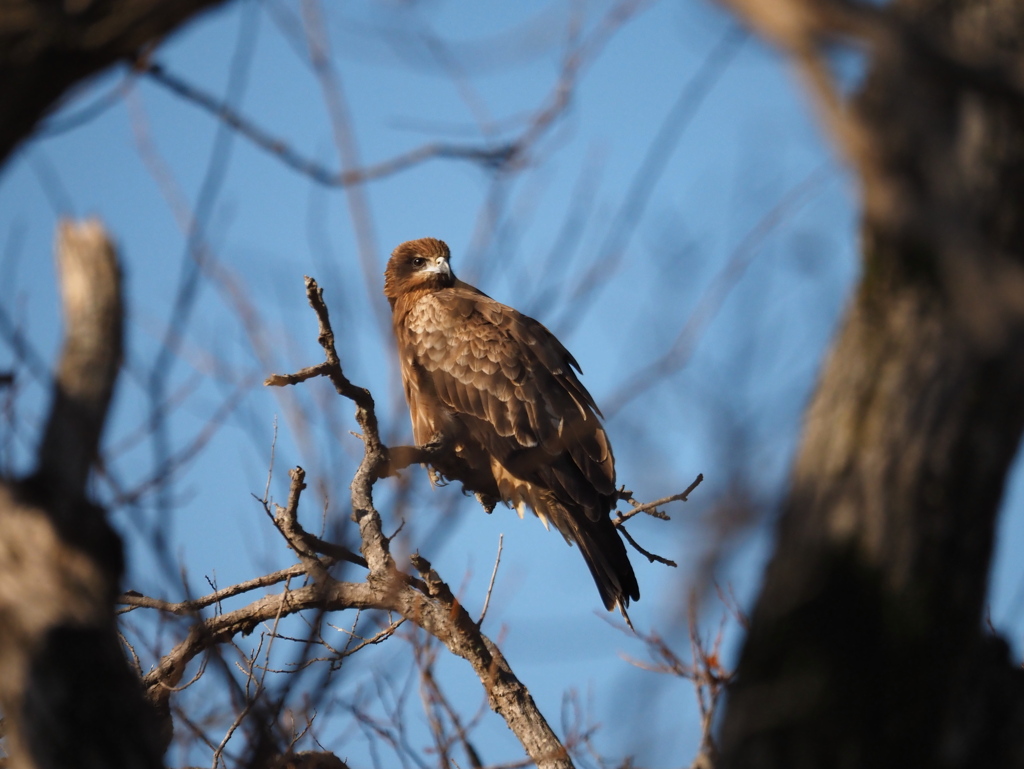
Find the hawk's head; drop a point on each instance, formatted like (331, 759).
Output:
(418, 264)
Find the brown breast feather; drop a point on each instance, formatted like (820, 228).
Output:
(477, 357)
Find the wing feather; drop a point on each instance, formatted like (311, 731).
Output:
(524, 429)
(487, 361)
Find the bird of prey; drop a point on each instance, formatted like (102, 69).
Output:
(495, 401)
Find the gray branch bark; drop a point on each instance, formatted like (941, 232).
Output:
(866, 646)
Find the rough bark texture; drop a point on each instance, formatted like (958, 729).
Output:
(46, 47)
(867, 645)
(67, 694)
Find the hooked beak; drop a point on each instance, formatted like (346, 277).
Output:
(440, 266)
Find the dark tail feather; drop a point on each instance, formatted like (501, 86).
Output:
(598, 540)
(605, 554)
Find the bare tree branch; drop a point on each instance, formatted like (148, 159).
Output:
(90, 284)
(132, 600)
(490, 156)
(651, 508)
(429, 602)
(439, 612)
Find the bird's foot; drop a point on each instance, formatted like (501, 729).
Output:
(435, 446)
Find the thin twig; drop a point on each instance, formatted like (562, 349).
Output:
(651, 508)
(490, 585)
(132, 600)
(652, 557)
(489, 156)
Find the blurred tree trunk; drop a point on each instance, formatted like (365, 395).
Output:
(46, 47)
(66, 691)
(867, 646)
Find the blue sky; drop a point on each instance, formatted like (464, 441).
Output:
(750, 222)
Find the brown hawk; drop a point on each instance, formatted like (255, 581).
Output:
(494, 393)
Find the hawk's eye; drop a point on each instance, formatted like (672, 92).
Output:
(419, 261)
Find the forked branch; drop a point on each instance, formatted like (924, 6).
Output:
(429, 604)
(422, 598)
